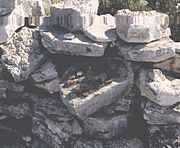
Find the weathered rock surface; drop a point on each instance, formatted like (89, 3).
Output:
(105, 127)
(172, 64)
(158, 115)
(21, 55)
(164, 136)
(53, 123)
(153, 52)
(85, 93)
(158, 88)
(55, 42)
(6, 7)
(141, 26)
(122, 143)
(102, 29)
(46, 72)
(73, 15)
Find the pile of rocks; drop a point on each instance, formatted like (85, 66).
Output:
(83, 80)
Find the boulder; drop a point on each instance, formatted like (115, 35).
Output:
(172, 64)
(153, 52)
(55, 42)
(105, 127)
(141, 26)
(73, 15)
(163, 90)
(21, 54)
(102, 29)
(158, 115)
(99, 85)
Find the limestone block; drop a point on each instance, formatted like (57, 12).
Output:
(159, 88)
(152, 52)
(88, 93)
(141, 26)
(55, 42)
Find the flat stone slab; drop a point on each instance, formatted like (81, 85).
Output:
(153, 52)
(84, 90)
(172, 64)
(158, 115)
(141, 26)
(55, 42)
(73, 15)
(21, 54)
(105, 127)
(102, 29)
(159, 88)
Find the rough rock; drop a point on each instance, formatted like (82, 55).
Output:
(92, 90)
(16, 111)
(55, 42)
(141, 26)
(53, 123)
(122, 143)
(158, 87)
(172, 64)
(73, 15)
(158, 115)
(106, 29)
(51, 86)
(164, 136)
(47, 71)
(21, 55)
(153, 52)
(6, 7)
(105, 127)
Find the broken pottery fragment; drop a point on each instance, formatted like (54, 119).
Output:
(158, 88)
(21, 54)
(85, 89)
(153, 52)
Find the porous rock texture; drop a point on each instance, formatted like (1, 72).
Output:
(65, 89)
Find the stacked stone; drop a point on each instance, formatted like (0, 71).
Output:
(51, 99)
(158, 83)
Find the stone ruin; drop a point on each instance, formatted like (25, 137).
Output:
(82, 80)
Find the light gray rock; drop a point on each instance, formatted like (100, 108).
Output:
(83, 143)
(105, 127)
(172, 64)
(80, 45)
(51, 86)
(102, 29)
(21, 54)
(158, 88)
(73, 15)
(47, 71)
(3, 92)
(158, 115)
(141, 26)
(95, 98)
(153, 52)
(17, 111)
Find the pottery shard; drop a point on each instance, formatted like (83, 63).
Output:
(153, 52)
(141, 26)
(172, 64)
(73, 15)
(97, 97)
(105, 127)
(158, 88)
(21, 54)
(158, 115)
(55, 42)
(102, 29)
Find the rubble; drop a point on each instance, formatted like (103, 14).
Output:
(158, 88)
(141, 26)
(21, 55)
(55, 43)
(153, 52)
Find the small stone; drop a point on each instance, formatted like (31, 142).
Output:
(69, 36)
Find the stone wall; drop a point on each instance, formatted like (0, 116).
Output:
(104, 82)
